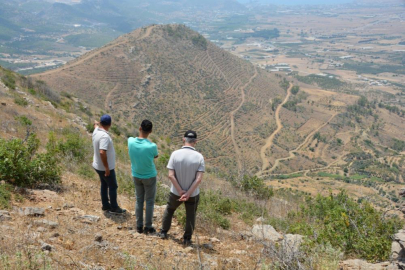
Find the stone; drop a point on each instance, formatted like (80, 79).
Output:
(90, 218)
(41, 229)
(208, 246)
(4, 215)
(46, 223)
(98, 237)
(2, 182)
(119, 227)
(402, 192)
(4, 104)
(31, 211)
(239, 252)
(55, 235)
(46, 246)
(214, 240)
(188, 250)
(67, 206)
(266, 232)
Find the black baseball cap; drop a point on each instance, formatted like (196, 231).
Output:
(146, 125)
(190, 134)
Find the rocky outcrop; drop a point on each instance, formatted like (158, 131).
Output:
(398, 250)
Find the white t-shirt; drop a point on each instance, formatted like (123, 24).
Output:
(186, 162)
(103, 141)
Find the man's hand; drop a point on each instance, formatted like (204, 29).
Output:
(182, 192)
(184, 197)
(107, 172)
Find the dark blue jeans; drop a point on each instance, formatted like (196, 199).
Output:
(108, 189)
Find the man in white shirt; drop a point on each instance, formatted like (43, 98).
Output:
(186, 167)
(104, 164)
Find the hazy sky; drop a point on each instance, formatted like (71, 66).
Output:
(300, 2)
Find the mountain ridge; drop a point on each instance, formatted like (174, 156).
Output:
(173, 71)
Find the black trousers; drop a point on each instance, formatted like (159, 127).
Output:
(191, 212)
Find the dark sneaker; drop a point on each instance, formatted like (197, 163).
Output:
(163, 235)
(106, 208)
(187, 242)
(149, 230)
(139, 229)
(117, 210)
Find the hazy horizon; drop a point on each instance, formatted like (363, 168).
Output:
(299, 2)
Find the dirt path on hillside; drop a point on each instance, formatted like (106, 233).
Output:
(299, 147)
(269, 140)
(91, 54)
(232, 115)
(108, 97)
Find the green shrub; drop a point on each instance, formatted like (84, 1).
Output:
(24, 120)
(5, 196)
(9, 80)
(200, 41)
(20, 101)
(256, 185)
(73, 145)
(357, 229)
(21, 166)
(295, 89)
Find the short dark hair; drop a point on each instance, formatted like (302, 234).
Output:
(146, 126)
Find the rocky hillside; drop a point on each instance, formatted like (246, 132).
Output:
(54, 221)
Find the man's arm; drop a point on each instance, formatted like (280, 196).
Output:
(193, 187)
(172, 177)
(103, 156)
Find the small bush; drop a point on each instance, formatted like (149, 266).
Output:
(20, 101)
(5, 196)
(21, 166)
(295, 89)
(357, 229)
(72, 145)
(256, 186)
(24, 120)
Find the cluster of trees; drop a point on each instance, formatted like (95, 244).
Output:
(392, 108)
(322, 81)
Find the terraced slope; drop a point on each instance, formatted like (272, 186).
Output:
(174, 77)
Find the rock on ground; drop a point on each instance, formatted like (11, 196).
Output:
(31, 211)
(266, 232)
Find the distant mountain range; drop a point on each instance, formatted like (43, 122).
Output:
(123, 16)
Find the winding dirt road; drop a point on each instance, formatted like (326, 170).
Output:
(232, 115)
(269, 140)
(299, 147)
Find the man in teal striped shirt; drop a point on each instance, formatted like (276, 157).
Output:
(142, 153)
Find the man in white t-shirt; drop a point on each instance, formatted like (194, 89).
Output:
(104, 164)
(186, 168)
